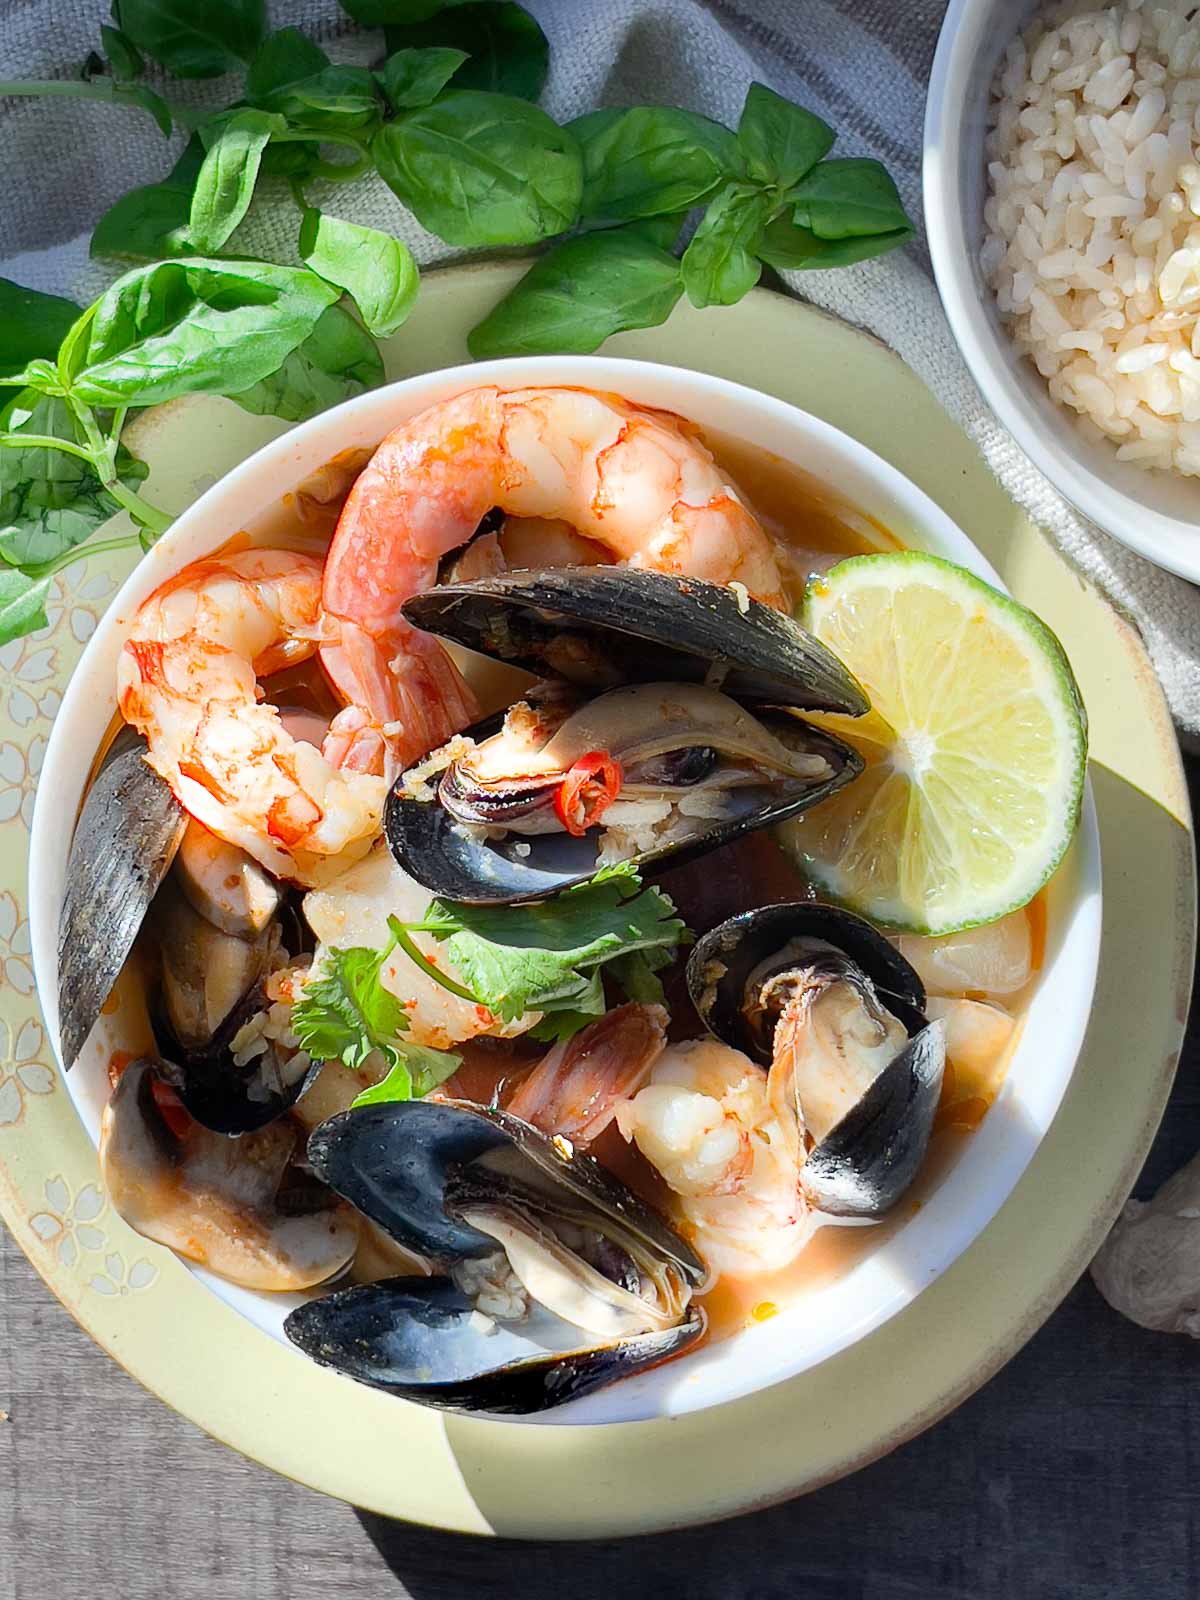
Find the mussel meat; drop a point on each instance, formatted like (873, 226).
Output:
(560, 1279)
(240, 1207)
(668, 730)
(819, 995)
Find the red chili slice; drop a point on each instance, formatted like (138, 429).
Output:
(587, 791)
(170, 1107)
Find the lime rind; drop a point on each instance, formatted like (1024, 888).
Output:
(1057, 691)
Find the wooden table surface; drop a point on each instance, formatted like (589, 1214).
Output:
(1073, 1473)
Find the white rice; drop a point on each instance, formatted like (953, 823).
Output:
(1092, 224)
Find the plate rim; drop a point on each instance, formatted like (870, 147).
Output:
(796, 1481)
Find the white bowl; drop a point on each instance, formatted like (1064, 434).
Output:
(1155, 513)
(973, 1189)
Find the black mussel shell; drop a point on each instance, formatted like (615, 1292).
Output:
(450, 861)
(219, 1094)
(128, 831)
(723, 959)
(393, 1161)
(864, 1164)
(421, 1339)
(601, 626)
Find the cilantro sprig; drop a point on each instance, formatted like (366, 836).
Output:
(346, 1013)
(547, 957)
(510, 959)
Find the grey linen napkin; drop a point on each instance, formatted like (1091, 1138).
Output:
(861, 64)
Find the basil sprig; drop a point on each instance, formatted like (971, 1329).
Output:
(448, 118)
(271, 337)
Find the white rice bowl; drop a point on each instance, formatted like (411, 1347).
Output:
(1092, 223)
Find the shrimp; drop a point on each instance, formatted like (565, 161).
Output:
(186, 679)
(576, 1089)
(636, 482)
(707, 1123)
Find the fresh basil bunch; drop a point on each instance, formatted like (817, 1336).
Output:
(450, 121)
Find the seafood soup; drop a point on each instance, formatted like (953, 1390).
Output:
(477, 865)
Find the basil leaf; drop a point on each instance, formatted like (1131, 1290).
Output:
(290, 160)
(51, 501)
(482, 169)
(509, 53)
(578, 294)
(284, 57)
(336, 99)
(720, 265)
(194, 326)
(225, 185)
(123, 55)
(780, 141)
(337, 360)
(662, 231)
(32, 325)
(415, 77)
(137, 94)
(649, 160)
(22, 604)
(376, 270)
(788, 247)
(193, 40)
(850, 198)
(150, 223)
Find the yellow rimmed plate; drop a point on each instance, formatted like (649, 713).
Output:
(482, 1476)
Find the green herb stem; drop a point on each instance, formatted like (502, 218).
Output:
(96, 89)
(150, 516)
(39, 441)
(103, 547)
(102, 453)
(400, 937)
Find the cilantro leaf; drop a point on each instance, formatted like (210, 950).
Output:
(543, 957)
(563, 1018)
(637, 973)
(345, 1012)
(416, 1072)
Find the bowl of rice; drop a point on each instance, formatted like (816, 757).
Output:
(1062, 200)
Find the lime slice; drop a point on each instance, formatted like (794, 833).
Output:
(975, 747)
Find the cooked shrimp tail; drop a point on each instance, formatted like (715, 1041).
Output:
(578, 1087)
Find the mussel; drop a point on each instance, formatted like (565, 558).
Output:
(213, 924)
(128, 831)
(218, 926)
(664, 726)
(560, 1280)
(818, 992)
(241, 1207)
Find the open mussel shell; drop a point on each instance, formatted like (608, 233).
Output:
(722, 962)
(601, 626)
(864, 1164)
(128, 831)
(210, 982)
(393, 1162)
(417, 1169)
(221, 1095)
(458, 864)
(866, 1161)
(238, 1207)
(422, 1339)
